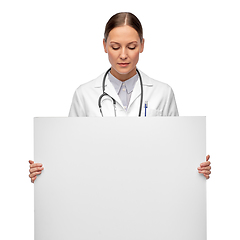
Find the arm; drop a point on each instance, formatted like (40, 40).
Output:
(171, 105)
(77, 106)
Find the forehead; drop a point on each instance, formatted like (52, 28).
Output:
(123, 34)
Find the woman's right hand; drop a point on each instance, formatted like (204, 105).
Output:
(35, 169)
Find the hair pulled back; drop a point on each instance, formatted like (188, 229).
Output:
(122, 19)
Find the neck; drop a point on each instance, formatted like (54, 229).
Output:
(123, 77)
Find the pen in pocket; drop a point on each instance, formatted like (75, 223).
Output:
(146, 106)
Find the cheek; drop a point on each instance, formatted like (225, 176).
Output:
(134, 56)
(111, 55)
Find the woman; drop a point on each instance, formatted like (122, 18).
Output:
(123, 42)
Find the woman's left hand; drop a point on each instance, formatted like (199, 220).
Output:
(205, 168)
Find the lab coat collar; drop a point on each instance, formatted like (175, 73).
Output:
(146, 80)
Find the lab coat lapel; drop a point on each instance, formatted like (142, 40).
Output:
(136, 93)
(137, 89)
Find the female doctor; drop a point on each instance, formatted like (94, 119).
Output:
(123, 90)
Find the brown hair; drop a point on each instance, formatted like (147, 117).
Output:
(121, 19)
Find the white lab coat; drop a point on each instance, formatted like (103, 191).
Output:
(160, 98)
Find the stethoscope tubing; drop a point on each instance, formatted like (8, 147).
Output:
(114, 101)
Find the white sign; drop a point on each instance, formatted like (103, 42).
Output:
(120, 178)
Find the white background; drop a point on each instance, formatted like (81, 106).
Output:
(48, 48)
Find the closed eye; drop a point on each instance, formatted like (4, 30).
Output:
(116, 48)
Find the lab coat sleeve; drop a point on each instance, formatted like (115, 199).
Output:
(77, 107)
(171, 105)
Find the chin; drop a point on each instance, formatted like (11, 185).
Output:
(126, 70)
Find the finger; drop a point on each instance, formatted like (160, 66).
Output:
(205, 172)
(205, 164)
(204, 168)
(36, 165)
(37, 169)
(34, 174)
(31, 161)
(206, 176)
(207, 157)
(33, 179)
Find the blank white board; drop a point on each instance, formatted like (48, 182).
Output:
(120, 178)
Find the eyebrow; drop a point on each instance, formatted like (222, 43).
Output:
(128, 43)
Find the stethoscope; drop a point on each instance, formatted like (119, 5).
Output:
(113, 100)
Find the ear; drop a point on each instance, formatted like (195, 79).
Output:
(105, 46)
(142, 45)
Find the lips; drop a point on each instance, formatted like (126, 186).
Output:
(123, 64)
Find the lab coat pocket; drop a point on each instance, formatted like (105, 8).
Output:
(153, 112)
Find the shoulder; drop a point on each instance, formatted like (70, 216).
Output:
(148, 81)
(94, 83)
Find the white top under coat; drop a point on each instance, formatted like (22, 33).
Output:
(123, 89)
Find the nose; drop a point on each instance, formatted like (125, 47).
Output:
(123, 54)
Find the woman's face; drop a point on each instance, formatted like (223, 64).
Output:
(123, 47)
